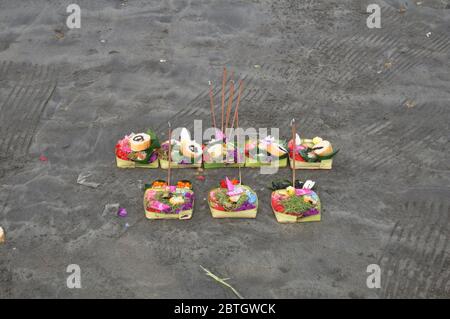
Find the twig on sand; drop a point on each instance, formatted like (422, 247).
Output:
(222, 281)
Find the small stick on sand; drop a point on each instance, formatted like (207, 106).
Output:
(222, 281)
(211, 101)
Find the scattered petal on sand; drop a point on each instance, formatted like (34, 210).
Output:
(122, 212)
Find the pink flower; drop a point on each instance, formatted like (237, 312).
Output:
(302, 191)
(124, 144)
(150, 195)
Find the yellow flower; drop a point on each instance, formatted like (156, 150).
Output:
(290, 191)
(317, 140)
(176, 200)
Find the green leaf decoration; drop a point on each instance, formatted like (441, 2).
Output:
(296, 204)
(154, 139)
(304, 155)
(224, 200)
(321, 158)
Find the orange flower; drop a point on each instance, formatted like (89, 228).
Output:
(159, 184)
(182, 184)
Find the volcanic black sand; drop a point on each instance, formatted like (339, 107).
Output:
(380, 95)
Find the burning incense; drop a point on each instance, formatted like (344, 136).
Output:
(170, 153)
(294, 149)
(211, 101)
(224, 82)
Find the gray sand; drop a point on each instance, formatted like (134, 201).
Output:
(381, 96)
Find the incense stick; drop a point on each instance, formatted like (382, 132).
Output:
(170, 153)
(230, 103)
(224, 81)
(294, 149)
(238, 158)
(211, 101)
(237, 105)
(236, 120)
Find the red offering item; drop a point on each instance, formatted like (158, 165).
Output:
(298, 157)
(223, 183)
(277, 206)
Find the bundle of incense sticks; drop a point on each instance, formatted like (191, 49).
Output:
(226, 120)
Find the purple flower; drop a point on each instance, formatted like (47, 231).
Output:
(246, 206)
(167, 210)
(186, 206)
(122, 212)
(311, 212)
(153, 157)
